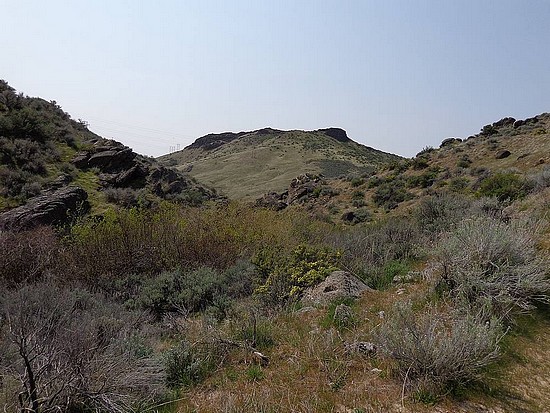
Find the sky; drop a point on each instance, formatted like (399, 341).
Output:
(397, 75)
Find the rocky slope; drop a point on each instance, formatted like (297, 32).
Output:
(248, 164)
(505, 160)
(52, 167)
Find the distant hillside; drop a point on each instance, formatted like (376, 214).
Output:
(248, 164)
(507, 159)
(43, 152)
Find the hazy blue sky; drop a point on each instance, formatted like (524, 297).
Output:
(397, 75)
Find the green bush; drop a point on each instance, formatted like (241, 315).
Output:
(505, 186)
(426, 150)
(390, 194)
(287, 276)
(419, 163)
(441, 212)
(191, 291)
(187, 366)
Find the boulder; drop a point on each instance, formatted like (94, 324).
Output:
(503, 154)
(302, 186)
(338, 285)
(449, 141)
(54, 208)
(504, 122)
(271, 200)
(519, 123)
(112, 159)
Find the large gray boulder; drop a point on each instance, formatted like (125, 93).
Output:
(338, 285)
(54, 208)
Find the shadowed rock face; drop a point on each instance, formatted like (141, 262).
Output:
(339, 134)
(47, 209)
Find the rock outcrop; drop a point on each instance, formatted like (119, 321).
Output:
(52, 208)
(120, 167)
(300, 187)
(336, 133)
(338, 285)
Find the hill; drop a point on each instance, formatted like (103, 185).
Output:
(50, 163)
(506, 159)
(245, 165)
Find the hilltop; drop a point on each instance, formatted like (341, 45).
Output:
(245, 165)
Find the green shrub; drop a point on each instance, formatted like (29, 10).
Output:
(426, 150)
(390, 194)
(193, 291)
(505, 186)
(187, 366)
(421, 181)
(419, 163)
(441, 212)
(287, 276)
(489, 130)
(464, 162)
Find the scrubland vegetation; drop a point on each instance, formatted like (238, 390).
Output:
(169, 298)
(154, 309)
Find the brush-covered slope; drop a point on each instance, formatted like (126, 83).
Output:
(506, 160)
(248, 164)
(47, 159)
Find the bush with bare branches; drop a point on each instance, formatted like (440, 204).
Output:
(434, 350)
(69, 348)
(486, 261)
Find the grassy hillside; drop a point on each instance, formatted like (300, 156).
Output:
(247, 164)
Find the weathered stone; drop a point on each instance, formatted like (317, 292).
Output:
(449, 141)
(112, 160)
(271, 200)
(81, 160)
(504, 122)
(338, 285)
(503, 154)
(518, 123)
(126, 177)
(53, 208)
